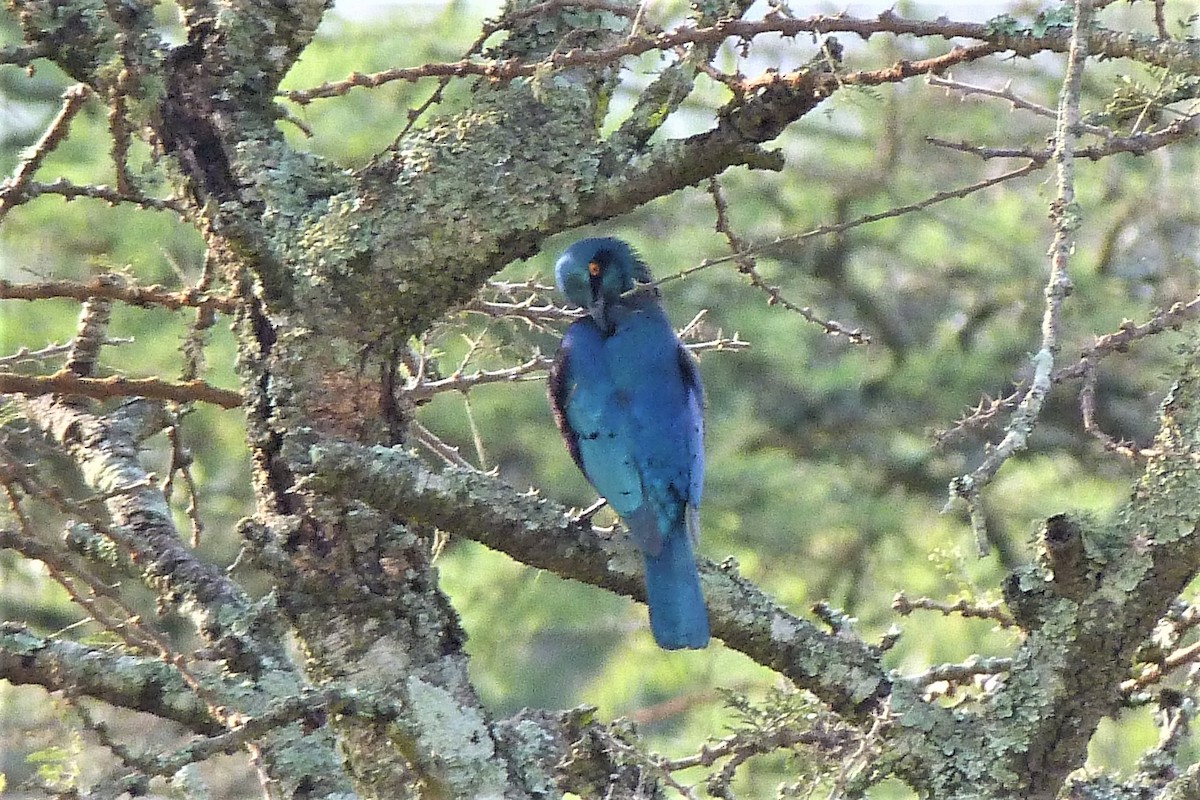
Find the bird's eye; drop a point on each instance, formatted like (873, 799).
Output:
(593, 268)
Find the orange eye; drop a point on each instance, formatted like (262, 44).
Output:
(593, 268)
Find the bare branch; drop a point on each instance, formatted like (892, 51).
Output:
(460, 382)
(746, 265)
(1118, 341)
(767, 248)
(71, 191)
(1138, 144)
(1099, 41)
(780, 244)
(117, 290)
(1066, 215)
(1154, 672)
(13, 189)
(1008, 95)
(67, 383)
(24, 355)
(902, 605)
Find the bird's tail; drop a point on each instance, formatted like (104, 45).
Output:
(678, 617)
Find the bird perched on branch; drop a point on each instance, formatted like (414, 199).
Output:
(627, 399)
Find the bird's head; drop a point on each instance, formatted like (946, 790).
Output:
(594, 273)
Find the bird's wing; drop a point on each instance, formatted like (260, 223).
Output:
(695, 426)
(558, 394)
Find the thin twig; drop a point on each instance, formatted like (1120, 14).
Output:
(746, 265)
(902, 605)
(95, 598)
(1154, 672)
(72, 191)
(434, 444)
(154, 295)
(1138, 144)
(1118, 341)
(782, 243)
(26, 356)
(461, 382)
(1066, 216)
(1160, 19)
(181, 464)
(64, 382)
(1008, 95)
(13, 189)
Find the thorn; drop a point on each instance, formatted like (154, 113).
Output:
(585, 516)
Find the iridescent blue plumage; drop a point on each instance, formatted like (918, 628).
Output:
(627, 399)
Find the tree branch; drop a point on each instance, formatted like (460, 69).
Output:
(12, 188)
(106, 287)
(1066, 215)
(139, 683)
(538, 532)
(1163, 52)
(67, 383)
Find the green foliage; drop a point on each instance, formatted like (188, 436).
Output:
(1137, 102)
(1043, 21)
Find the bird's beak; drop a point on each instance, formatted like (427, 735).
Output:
(599, 311)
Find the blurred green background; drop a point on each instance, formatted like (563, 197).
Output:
(823, 479)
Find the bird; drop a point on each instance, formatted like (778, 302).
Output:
(627, 399)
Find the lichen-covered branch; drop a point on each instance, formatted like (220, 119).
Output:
(843, 672)
(1082, 639)
(128, 681)
(330, 273)
(246, 635)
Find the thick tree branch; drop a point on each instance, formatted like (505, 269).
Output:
(1160, 556)
(1072, 665)
(840, 670)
